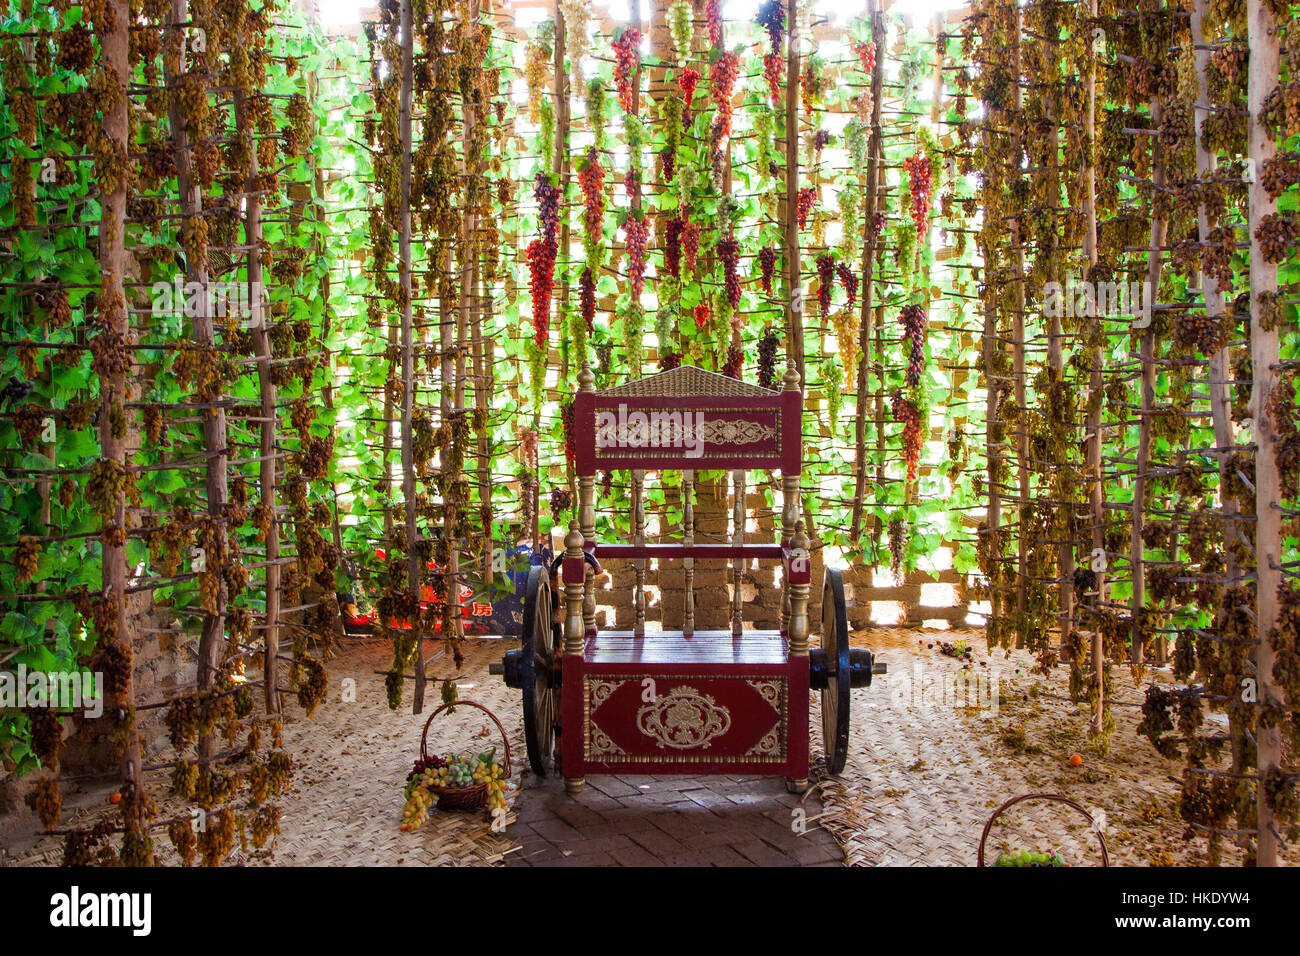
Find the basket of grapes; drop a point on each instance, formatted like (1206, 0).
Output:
(1039, 857)
(461, 782)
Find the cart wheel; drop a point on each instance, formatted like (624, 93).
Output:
(532, 669)
(838, 679)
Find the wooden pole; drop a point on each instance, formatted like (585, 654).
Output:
(413, 571)
(794, 282)
(868, 269)
(113, 393)
(1096, 494)
(1263, 77)
(1146, 357)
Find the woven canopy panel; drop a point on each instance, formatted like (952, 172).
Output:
(687, 381)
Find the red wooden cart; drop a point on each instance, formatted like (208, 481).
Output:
(685, 701)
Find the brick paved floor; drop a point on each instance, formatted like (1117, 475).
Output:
(668, 821)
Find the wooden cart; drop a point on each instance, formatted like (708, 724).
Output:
(709, 701)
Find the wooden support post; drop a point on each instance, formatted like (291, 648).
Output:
(1093, 436)
(877, 17)
(1146, 356)
(574, 630)
(413, 569)
(1264, 71)
(794, 281)
(587, 517)
(113, 395)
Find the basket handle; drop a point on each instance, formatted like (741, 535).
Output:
(1101, 839)
(424, 737)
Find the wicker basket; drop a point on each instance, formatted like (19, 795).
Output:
(1052, 797)
(473, 797)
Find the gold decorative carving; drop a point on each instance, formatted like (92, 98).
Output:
(683, 719)
(772, 745)
(770, 690)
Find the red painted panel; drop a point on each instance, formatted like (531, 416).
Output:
(703, 718)
(684, 433)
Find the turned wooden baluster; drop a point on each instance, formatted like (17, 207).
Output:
(737, 539)
(688, 564)
(574, 631)
(587, 518)
(789, 526)
(638, 519)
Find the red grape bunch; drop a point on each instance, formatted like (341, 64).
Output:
(541, 268)
(767, 347)
(849, 278)
(637, 231)
(913, 320)
(918, 171)
(825, 281)
(627, 55)
(701, 313)
(686, 81)
(806, 201)
(691, 244)
(722, 83)
(766, 267)
(772, 64)
(735, 362)
(771, 17)
(591, 177)
(729, 253)
(567, 420)
(907, 413)
(713, 18)
(587, 296)
(673, 247)
(866, 52)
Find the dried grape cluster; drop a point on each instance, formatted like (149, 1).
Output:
(914, 323)
(897, 546)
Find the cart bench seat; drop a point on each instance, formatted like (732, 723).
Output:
(670, 647)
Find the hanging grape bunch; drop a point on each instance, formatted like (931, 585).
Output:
(735, 363)
(897, 546)
(567, 413)
(627, 55)
(691, 244)
(907, 413)
(673, 247)
(767, 347)
(807, 199)
(591, 177)
(587, 298)
(561, 502)
(918, 184)
(849, 279)
(541, 255)
(686, 81)
(636, 230)
(766, 267)
(729, 253)
(866, 51)
(701, 313)
(914, 323)
(825, 281)
(771, 17)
